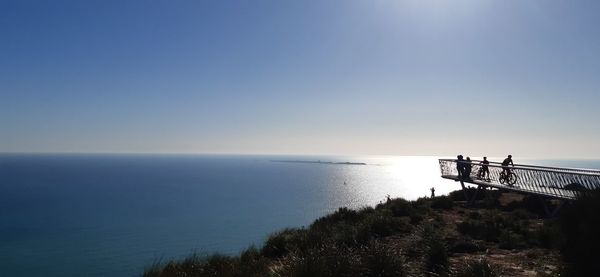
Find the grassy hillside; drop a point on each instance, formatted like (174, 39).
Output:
(504, 234)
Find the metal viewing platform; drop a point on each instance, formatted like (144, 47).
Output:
(551, 182)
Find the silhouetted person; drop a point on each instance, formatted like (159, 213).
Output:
(467, 169)
(460, 166)
(432, 192)
(484, 171)
(505, 163)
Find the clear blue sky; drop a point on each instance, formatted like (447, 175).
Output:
(307, 77)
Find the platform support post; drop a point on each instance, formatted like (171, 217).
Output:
(470, 199)
(474, 196)
(464, 190)
(553, 212)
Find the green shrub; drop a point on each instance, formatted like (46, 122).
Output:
(382, 226)
(436, 253)
(359, 230)
(399, 207)
(522, 214)
(480, 229)
(218, 265)
(549, 235)
(530, 203)
(580, 225)
(479, 268)
(511, 230)
(194, 265)
(465, 245)
(415, 210)
(252, 263)
(442, 202)
(416, 218)
(342, 234)
(381, 260)
(341, 215)
(154, 270)
(491, 199)
(281, 243)
(372, 259)
(422, 203)
(436, 257)
(327, 260)
(459, 195)
(474, 215)
(510, 240)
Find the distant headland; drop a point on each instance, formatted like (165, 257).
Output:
(316, 162)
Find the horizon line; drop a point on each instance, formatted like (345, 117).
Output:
(265, 154)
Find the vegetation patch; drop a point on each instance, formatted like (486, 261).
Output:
(425, 237)
(580, 227)
(436, 261)
(477, 268)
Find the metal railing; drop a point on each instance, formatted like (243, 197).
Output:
(564, 183)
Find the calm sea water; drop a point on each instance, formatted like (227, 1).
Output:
(113, 215)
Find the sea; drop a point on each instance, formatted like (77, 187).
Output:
(116, 215)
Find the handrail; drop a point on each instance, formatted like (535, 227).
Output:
(532, 167)
(564, 183)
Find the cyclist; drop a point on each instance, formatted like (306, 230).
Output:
(505, 169)
(484, 168)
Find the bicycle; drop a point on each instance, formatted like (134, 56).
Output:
(510, 180)
(481, 174)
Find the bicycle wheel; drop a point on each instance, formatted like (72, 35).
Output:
(512, 179)
(502, 178)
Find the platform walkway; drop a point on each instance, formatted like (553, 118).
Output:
(553, 182)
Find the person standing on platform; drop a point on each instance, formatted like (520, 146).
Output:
(460, 166)
(467, 169)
